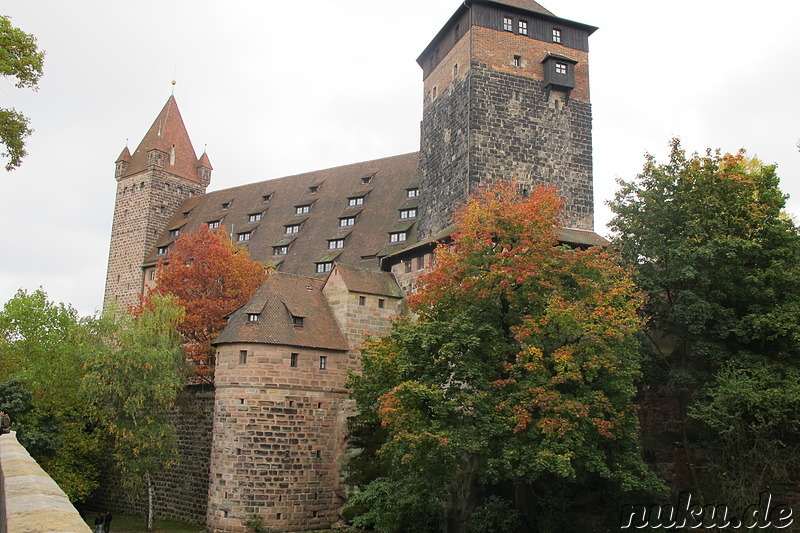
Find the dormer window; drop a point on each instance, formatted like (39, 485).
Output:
(266, 197)
(244, 236)
(399, 236)
(366, 180)
(408, 213)
(355, 201)
(556, 35)
(508, 24)
(252, 317)
(412, 193)
(214, 224)
(162, 250)
(292, 228)
(254, 217)
(302, 209)
(347, 221)
(280, 250)
(335, 244)
(313, 188)
(297, 321)
(225, 205)
(325, 266)
(186, 214)
(174, 232)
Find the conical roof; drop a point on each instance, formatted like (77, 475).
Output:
(167, 133)
(125, 156)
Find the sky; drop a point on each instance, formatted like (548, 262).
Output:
(272, 89)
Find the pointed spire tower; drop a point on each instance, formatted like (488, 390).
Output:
(152, 183)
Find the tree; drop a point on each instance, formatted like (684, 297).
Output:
(719, 262)
(42, 352)
(513, 386)
(132, 386)
(21, 60)
(210, 278)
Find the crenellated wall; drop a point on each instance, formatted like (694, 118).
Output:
(29, 499)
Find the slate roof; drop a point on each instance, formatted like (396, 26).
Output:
(265, 209)
(280, 297)
(167, 131)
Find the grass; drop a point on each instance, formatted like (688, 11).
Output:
(138, 524)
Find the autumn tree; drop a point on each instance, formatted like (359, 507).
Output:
(719, 261)
(210, 278)
(22, 62)
(43, 347)
(511, 392)
(131, 387)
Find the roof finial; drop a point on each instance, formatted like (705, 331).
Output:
(174, 72)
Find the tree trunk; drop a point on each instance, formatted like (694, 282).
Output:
(149, 482)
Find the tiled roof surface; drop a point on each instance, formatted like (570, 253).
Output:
(528, 5)
(328, 193)
(280, 297)
(369, 281)
(167, 131)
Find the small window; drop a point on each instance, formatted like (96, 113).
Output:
(254, 217)
(517, 61)
(435, 92)
(556, 35)
(302, 209)
(243, 237)
(408, 213)
(366, 180)
(346, 221)
(242, 357)
(455, 70)
(266, 197)
(324, 267)
(186, 214)
(280, 250)
(398, 237)
(174, 232)
(357, 200)
(508, 24)
(407, 265)
(313, 188)
(420, 262)
(561, 68)
(292, 228)
(214, 224)
(323, 362)
(293, 360)
(297, 321)
(225, 205)
(381, 303)
(523, 27)
(152, 274)
(252, 317)
(362, 300)
(335, 244)
(412, 193)
(162, 250)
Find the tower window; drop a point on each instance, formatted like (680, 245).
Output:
(302, 209)
(362, 300)
(242, 357)
(323, 362)
(293, 360)
(292, 228)
(523, 27)
(381, 303)
(243, 237)
(254, 217)
(412, 193)
(561, 68)
(407, 265)
(517, 61)
(508, 24)
(556, 35)
(335, 244)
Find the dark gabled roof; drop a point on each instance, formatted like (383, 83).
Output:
(527, 5)
(365, 241)
(167, 131)
(368, 281)
(279, 298)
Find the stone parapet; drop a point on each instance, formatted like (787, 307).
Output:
(30, 500)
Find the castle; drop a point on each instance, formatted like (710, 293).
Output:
(506, 97)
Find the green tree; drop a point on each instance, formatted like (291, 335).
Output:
(719, 262)
(20, 60)
(42, 351)
(513, 386)
(132, 387)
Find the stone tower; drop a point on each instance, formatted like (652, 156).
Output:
(506, 97)
(151, 185)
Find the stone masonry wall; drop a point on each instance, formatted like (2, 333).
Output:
(279, 434)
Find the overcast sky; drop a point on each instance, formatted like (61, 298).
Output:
(278, 88)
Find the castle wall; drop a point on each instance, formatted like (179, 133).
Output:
(279, 435)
